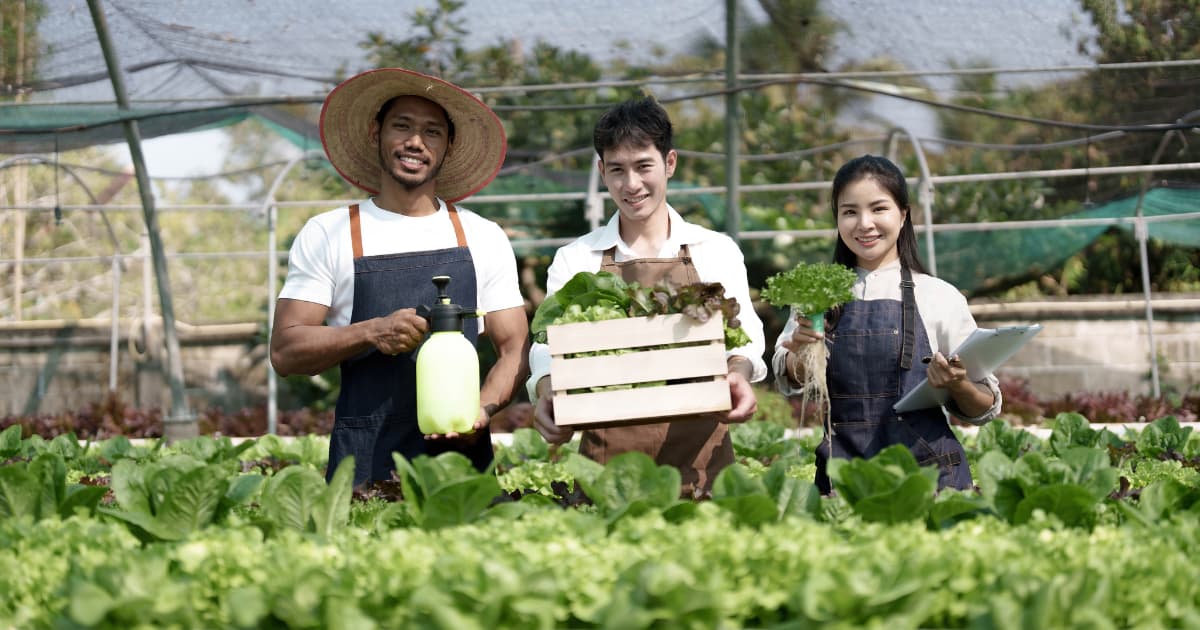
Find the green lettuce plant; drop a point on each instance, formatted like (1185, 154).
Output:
(811, 289)
(593, 297)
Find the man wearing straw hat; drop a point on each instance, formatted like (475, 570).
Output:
(417, 144)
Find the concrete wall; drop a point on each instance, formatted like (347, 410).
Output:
(1086, 344)
(1101, 344)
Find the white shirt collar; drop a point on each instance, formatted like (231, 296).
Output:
(682, 233)
(892, 267)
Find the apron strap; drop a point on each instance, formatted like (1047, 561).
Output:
(356, 229)
(458, 230)
(908, 321)
(355, 232)
(609, 256)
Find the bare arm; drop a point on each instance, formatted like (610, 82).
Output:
(509, 331)
(302, 344)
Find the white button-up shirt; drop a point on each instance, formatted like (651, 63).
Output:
(715, 256)
(948, 321)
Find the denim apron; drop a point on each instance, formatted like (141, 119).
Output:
(698, 447)
(377, 407)
(870, 367)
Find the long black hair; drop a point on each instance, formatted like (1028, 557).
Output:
(888, 176)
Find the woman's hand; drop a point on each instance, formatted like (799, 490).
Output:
(947, 373)
(973, 399)
(803, 335)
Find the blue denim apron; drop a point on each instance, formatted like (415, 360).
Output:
(377, 406)
(870, 367)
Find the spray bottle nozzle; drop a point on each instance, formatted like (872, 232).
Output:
(443, 315)
(441, 282)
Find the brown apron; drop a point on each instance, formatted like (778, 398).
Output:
(698, 447)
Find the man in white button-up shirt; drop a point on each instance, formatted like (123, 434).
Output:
(647, 240)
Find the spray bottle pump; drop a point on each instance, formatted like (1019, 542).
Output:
(447, 368)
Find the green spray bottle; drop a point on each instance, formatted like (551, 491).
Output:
(447, 369)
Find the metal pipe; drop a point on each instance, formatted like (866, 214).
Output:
(733, 136)
(675, 192)
(270, 211)
(1141, 231)
(181, 423)
(593, 203)
(924, 188)
(115, 327)
(530, 243)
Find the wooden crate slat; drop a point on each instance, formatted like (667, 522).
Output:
(612, 407)
(632, 332)
(639, 367)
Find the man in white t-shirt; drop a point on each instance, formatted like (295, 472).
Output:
(356, 274)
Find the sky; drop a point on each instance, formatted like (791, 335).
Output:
(921, 34)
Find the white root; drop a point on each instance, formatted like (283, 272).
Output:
(813, 359)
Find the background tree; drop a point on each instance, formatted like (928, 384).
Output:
(1135, 30)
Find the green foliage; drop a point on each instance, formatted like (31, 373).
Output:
(1142, 30)
(888, 488)
(811, 288)
(631, 484)
(19, 43)
(39, 490)
(1069, 487)
(753, 501)
(1047, 543)
(1163, 436)
(1072, 429)
(444, 491)
(998, 435)
(602, 292)
(598, 296)
(171, 499)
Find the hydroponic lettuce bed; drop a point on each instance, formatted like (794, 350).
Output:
(1082, 528)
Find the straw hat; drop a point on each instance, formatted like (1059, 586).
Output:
(472, 161)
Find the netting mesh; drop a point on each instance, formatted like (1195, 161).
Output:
(974, 260)
(182, 59)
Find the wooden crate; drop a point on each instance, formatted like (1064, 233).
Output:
(641, 405)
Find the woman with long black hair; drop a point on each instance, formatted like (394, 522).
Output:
(877, 342)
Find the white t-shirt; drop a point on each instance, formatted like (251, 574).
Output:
(948, 322)
(715, 256)
(321, 262)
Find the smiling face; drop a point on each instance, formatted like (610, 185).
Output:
(636, 178)
(869, 222)
(413, 136)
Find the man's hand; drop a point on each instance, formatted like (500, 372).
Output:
(741, 395)
(481, 421)
(402, 331)
(543, 415)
